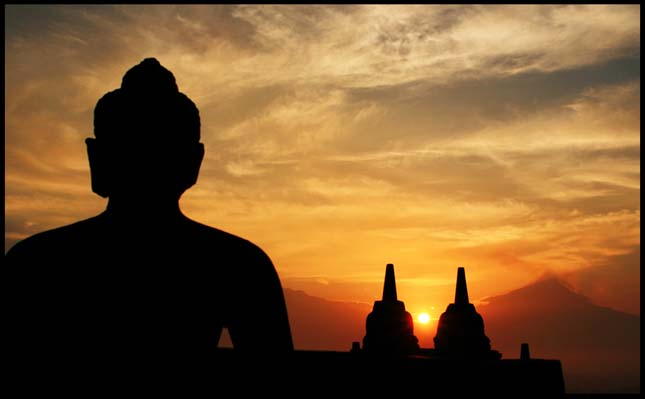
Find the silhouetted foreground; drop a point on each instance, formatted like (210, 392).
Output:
(391, 361)
(333, 372)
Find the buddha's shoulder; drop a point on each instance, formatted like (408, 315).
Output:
(55, 240)
(224, 242)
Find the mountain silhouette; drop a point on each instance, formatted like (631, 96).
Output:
(599, 347)
(319, 324)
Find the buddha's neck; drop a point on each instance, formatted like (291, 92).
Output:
(144, 210)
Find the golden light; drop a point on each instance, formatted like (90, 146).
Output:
(423, 318)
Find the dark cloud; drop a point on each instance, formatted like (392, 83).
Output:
(626, 153)
(512, 61)
(461, 177)
(421, 112)
(30, 21)
(204, 24)
(609, 198)
(572, 156)
(400, 38)
(446, 19)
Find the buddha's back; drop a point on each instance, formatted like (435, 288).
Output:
(95, 295)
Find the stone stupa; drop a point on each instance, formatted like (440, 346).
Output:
(390, 329)
(460, 332)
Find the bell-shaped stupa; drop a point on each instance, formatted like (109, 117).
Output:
(460, 332)
(390, 329)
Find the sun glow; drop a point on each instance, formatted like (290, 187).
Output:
(423, 318)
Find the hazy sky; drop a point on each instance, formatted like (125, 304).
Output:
(505, 139)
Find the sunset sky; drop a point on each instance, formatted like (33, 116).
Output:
(505, 139)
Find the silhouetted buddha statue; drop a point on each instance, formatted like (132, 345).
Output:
(460, 332)
(141, 284)
(389, 327)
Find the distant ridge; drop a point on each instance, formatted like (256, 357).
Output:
(599, 347)
(320, 324)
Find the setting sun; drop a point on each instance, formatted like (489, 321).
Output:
(424, 318)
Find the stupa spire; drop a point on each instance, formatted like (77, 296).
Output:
(389, 286)
(461, 292)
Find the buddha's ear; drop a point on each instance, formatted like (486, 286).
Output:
(193, 162)
(99, 168)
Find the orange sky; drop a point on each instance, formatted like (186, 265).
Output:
(505, 139)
